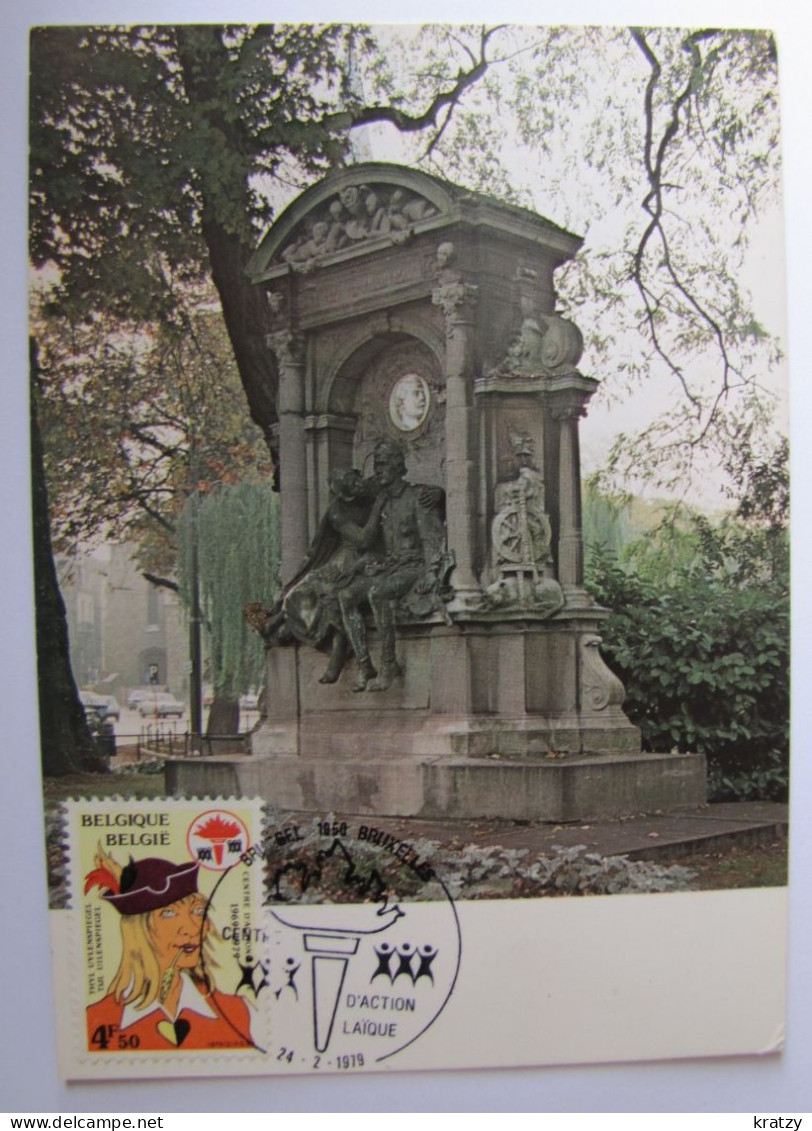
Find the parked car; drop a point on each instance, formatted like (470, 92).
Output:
(112, 709)
(161, 704)
(106, 705)
(135, 697)
(91, 701)
(100, 728)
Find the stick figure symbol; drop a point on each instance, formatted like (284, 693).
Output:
(291, 970)
(426, 954)
(413, 962)
(384, 954)
(249, 975)
(405, 954)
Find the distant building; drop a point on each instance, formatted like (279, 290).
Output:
(124, 631)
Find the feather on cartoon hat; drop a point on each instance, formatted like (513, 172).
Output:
(145, 885)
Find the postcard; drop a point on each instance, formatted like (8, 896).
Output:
(410, 487)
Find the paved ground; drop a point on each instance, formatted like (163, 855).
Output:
(641, 838)
(714, 827)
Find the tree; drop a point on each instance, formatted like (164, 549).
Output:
(661, 147)
(139, 418)
(229, 538)
(153, 145)
(147, 148)
(66, 744)
(127, 409)
(699, 633)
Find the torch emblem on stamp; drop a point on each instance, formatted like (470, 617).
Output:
(217, 839)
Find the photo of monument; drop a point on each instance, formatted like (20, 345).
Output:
(448, 409)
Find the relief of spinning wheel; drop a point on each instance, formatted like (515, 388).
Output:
(507, 536)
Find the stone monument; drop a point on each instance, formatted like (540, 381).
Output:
(429, 403)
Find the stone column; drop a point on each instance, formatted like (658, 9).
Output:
(567, 409)
(458, 302)
(329, 444)
(288, 346)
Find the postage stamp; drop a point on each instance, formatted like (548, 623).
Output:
(200, 927)
(169, 939)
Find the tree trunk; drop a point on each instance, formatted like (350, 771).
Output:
(224, 716)
(66, 744)
(246, 316)
(245, 309)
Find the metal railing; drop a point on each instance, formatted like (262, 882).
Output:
(164, 740)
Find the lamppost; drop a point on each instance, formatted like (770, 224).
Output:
(195, 661)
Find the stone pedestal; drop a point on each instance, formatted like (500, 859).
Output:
(519, 721)
(409, 311)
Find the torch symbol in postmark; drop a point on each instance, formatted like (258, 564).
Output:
(330, 947)
(378, 965)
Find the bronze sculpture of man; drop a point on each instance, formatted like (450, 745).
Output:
(411, 528)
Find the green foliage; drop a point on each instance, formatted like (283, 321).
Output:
(237, 533)
(122, 405)
(699, 634)
(141, 135)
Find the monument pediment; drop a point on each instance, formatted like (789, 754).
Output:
(375, 205)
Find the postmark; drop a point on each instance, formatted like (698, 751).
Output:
(369, 969)
(169, 943)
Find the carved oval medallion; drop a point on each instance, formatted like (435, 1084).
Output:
(409, 402)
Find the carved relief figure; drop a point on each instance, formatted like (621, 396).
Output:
(409, 402)
(544, 342)
(309, 248)
(336, 236)
(357, 224)
(413, 540)
(521, 529)
(358, 213)
(521, 535)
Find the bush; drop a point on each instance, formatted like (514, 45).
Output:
(699, 633)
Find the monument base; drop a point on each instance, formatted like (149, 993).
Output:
(581, 788)
(519, 721)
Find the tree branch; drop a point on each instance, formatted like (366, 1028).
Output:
(655, 154)
(412, 123)
(161, 582)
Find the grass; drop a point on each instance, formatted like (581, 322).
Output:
(745, 866)
(136, 784)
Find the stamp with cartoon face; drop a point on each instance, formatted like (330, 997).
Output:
(173, 951)
(200, 937)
